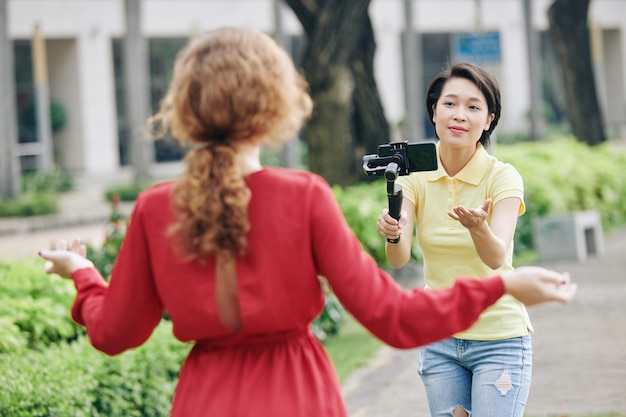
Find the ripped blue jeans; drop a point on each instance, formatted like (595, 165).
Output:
(477, 378)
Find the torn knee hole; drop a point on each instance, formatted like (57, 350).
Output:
(459, 411)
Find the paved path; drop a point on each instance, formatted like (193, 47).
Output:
(579, 351)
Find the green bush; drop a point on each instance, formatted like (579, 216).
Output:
(141, 382)
(39, 194)
(34, 307)
(564, 176)
(125, 192)
(76, 380)
(361, 204)
(331, 320)
(103, 257)
(55, 181)
(50, 369)
(30, 204)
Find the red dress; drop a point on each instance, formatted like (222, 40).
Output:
(274, 367)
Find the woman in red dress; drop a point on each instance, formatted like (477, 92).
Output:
(233, 251)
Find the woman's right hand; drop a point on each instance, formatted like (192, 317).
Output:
(63, 261)
(388, 227)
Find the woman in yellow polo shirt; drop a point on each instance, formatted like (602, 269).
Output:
(466, 213)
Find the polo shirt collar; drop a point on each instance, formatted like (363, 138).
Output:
(471, 173)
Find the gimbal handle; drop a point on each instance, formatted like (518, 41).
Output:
(394, 196)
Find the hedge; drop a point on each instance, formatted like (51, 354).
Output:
(564, 176)
(75, 380)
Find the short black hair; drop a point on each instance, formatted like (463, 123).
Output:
(485, 82)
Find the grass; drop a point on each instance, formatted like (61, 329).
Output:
(352, 348)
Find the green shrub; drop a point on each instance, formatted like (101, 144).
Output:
(125, 192)
(34, 307)
(141, 382)
(39, 194)
(564, 176)
(103, 257)
(57, 381)
(331, 320)
(30, 204)
(76, 380)
(54, 181)
(361, 204)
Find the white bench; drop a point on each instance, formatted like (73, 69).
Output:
(568, 236)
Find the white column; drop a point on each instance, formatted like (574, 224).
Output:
(97, 99)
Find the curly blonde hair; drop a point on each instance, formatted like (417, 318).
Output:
(230, 86)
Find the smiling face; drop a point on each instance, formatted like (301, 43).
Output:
(461, 113)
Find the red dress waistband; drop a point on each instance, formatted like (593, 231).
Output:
(246, 340)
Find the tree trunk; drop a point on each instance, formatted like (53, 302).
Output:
(348, 120)
(568, 22)
(370, 124)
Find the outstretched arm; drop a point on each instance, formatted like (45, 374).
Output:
(122, 313)
(491, 240)
(534, 285)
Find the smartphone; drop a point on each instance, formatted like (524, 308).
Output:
(420, 156)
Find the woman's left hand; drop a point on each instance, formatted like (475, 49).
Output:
(471, 218)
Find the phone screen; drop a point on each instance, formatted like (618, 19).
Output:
(422, 156)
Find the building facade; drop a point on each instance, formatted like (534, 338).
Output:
(83, 40)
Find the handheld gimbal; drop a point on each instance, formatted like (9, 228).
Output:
(399, 158)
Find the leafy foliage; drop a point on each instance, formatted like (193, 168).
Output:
(125, 192)
(54, 181)
(361, 204)
(39, 194)
(29, 204)
(104, 257)
(330, 321)
(33, 307)
(76, 380)
(566, 175)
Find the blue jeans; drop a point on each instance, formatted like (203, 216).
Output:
(477, 378)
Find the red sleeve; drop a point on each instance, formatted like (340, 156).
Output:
(400, 318)
(123, 314)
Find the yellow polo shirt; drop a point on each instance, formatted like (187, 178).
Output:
(448, 248)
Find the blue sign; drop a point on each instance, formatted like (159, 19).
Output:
(479, 48)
